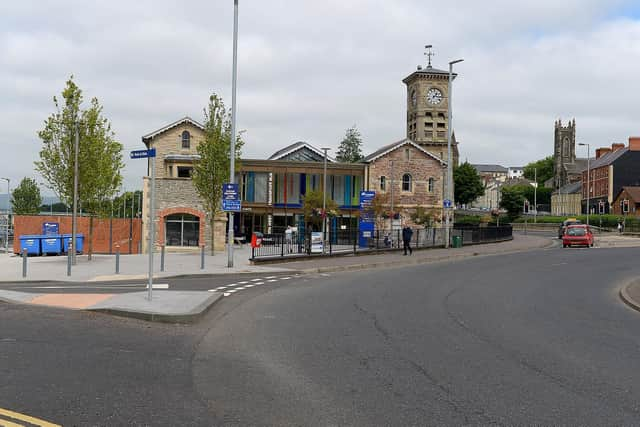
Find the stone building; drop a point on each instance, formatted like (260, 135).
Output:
(567, 168)
(567, 200)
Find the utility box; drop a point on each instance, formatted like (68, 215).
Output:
(456, 241)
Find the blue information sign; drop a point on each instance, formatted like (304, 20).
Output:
(447, 203)
(366, 223)
(142, 154)
(230, 198)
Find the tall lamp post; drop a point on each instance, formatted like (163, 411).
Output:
(448, 221)
(232, 151)
(6, 236)
(324, 200)
(588, 177)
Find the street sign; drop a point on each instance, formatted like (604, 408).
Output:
(446, 203)
(231, 198)
(142, 154)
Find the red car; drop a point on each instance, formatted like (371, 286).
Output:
(577, 235)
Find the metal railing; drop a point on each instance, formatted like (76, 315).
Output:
(349, 241)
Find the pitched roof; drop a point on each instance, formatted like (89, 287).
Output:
(186, 119)
(490, 168)
(572, 188)
(299, 145)
(633, 192)
(608, 158)
(395, 145)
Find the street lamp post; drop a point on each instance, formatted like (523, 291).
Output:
(74, 218)
(588, 177)
(6, 237)
(232, 150)
(324, 200)
(448, 221)
(535, 195)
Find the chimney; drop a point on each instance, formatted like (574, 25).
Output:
(634, 143)
(616, 146)
(602, 151)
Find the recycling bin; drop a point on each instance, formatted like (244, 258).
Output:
(30, 242)
(51, 245)
(66, 238)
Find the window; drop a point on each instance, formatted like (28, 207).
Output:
(431, 181)
(383, 183)
(427, 114)
(182, 230)
(440, 125)
(186, 139)
(184, 171)
(441, 115)
(428, 124)
(407, 154)
(406, 182)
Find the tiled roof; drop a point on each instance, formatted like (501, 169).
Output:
(395, 145)
(146, 138)
(633, 192)
(490, 168)
(608, 158)
(573, 188)
(295, 147)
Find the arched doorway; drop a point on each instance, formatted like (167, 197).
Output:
(182, 229)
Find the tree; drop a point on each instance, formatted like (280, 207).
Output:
(543, 196)
(213, 168)
(312, 209)
(467, 183)
(99, 153)
(350, 149)
(25, 198)
(512, 200)
(542, 168)
(380, 209)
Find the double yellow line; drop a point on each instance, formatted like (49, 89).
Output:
(32, 421)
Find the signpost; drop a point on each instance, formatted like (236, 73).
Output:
(367, 220)
(143, 154)
(447, 204)
(231, 198)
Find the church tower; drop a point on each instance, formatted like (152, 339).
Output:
(428, 110)
(564, 151)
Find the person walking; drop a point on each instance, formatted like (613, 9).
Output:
(407, 233)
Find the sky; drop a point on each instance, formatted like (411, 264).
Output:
(308, 70)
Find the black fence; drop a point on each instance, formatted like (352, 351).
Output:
(348, 241)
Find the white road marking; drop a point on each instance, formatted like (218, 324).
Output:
(219, 288)
(272, 280)
(239, 289)
(212, 290)
(259, 283)
(226, 294)
(230, 291)
(159, 286)
(271, 277)
(231, 284)
(285, 278)
(255, 280)
(242, 283)
(249, 286)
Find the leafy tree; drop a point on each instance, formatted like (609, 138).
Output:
(423, 217)
(350, 149)
(528, 192)
(99, 153)
(380, 209)
(512, 200)
(543, 168)
(55, 207)
(25, 198)
(467, 183)
(312, 209)
(212, 170)
(122, 204)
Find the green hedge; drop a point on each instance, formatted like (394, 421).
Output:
(607, 221)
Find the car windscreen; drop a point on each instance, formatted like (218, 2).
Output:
(575, 231)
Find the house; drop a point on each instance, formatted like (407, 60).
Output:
(627, 202)
(612, 169)
(567, 200)
(488, 172)
(515, 172)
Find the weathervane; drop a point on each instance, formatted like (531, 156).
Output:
(429, 53)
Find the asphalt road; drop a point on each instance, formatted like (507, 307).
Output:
(529, 338)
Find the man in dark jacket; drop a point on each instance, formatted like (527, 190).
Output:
(406, 238)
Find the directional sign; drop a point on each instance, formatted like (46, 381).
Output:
(446, 203)
(231, 198)
(142, 154)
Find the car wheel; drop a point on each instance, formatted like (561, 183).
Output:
(564, 246)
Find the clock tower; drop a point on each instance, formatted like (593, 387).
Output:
(428, 110)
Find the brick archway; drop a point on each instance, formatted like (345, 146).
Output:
(163, 213)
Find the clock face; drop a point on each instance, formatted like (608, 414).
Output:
(434, 96)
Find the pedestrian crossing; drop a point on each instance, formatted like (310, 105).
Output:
(232, 288)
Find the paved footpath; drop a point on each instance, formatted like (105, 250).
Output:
(185, 306)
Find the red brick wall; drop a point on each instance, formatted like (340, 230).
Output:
(26, 224)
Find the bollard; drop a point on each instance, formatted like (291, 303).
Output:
(117, 259)
(69, 264)
(161, 257)
(201, 257)
(24, 263)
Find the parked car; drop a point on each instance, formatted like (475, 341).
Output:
(577, 235)
(565, 224)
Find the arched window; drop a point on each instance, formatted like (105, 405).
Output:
(406, 182)
(431, 181)
(383, 183)
(186, 139)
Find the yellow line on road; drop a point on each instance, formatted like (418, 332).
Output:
(21, 417)
(9, 424)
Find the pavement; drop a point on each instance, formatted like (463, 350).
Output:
(186, 306)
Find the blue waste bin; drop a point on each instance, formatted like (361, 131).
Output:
(51, 244)
(30, 242)
(66, 238)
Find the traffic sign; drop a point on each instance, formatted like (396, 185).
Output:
(142, 154)
(446, 203)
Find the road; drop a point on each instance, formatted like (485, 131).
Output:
(528, 338)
